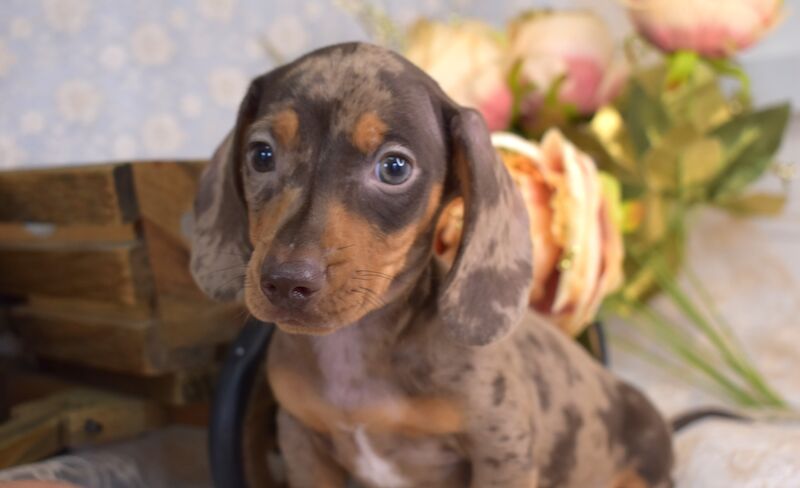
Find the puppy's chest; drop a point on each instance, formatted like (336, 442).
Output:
(347, 401)
(383, 434)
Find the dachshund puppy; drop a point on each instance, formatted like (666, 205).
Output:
(319, 210)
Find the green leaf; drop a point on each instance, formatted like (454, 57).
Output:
(701, 161)
(609, 130)
(519, 88)
(700, 101)
(750, 141)
(728, 67)
(660, 235)
(664, 164)
(757, 204)
(645, 119)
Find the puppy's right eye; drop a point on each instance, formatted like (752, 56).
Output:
(262, 157)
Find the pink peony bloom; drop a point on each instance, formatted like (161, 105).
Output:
(575, 46)
(714, 29)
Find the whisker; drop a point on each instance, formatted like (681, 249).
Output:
(237, 277)
(366, 298)
(377, 274)
(370, 296)
(364, 278)
(373, 294)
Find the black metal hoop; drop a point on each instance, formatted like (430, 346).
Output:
(232, 392)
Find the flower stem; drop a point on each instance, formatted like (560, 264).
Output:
(662, 327)
(735, 359)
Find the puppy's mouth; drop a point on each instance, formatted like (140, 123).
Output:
(306, 319)
(300, 322)
(320, 315)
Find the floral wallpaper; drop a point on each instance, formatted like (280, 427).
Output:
(93, 80)
(96, 80)
(101, 80)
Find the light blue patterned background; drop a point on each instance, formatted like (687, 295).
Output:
(99, 80)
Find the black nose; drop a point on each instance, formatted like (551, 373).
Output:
(292, 283)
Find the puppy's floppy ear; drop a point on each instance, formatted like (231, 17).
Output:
(221, 247)
(486, 291)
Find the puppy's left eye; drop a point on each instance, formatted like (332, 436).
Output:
(393, 169)
(262, 157)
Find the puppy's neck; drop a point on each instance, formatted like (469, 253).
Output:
(355, 362)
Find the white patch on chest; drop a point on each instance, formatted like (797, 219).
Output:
(371, 467)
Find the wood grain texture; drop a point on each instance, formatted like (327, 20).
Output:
(105, 291)
(165, 192)
(188, 386)
(73, 418)
(17, 235)
(113, 272)
(107, 342)
(101, 194)
(101, 338)
(80, 308)
(185, 323)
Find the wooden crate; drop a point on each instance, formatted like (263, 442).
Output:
(98, 257)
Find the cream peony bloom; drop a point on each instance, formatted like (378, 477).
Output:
(574, 45)
(467, 59)
(711, 28)
(577, 243)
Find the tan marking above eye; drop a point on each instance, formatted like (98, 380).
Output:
(368, 132)
(284, 125)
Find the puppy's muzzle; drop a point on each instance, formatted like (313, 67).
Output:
(292, 284)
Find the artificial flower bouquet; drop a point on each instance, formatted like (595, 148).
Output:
(613, 145)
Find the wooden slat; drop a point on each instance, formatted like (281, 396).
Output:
(112, 416)
(17, 235)
(30, 437)
(165, 192)
(101, 194)
(103, 339)
(113, 272)
(169, 260)
(79, 308)
(26, 386)
(185, 323)
(72, 418)
(187, 386)
(112, 343)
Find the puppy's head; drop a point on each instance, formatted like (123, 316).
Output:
(320, 205)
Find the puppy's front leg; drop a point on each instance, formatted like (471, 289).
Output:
(306, 465)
